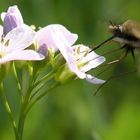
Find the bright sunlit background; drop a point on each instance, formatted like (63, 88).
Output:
(72, 112)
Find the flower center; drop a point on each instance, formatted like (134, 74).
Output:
(81, 54)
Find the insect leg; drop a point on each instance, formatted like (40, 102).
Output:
(121, 57)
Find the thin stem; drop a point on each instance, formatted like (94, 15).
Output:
(22, 116)
(17, 80)
(8, 109)
(47, 78)
(41, 96)
(21, 121)
(26, 100)
(35, 93)
(24, 104)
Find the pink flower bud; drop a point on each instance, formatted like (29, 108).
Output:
(11, 19)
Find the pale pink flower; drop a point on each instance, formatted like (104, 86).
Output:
(48, 37)
(57, 37)
(87, 61)
(13, 45)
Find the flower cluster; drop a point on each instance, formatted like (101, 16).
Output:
(16, 38)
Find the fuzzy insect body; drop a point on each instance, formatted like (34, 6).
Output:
(127, 34)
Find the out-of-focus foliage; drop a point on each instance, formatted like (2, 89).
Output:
(71, 112)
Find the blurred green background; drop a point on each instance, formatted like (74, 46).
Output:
(71, 112)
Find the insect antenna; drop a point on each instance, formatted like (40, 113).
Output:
(111, 23)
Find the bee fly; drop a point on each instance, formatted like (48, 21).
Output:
(127, 34)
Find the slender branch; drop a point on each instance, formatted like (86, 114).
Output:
(24, 103)
(26, 100)
(41, 96)
(21, 121)
(40, 82)
(46, 77)
(17, 80)
(35, 93)
(22, 116)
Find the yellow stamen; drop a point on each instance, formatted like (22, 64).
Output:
(6, 43)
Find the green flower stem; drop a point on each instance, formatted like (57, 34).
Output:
(26, 100)
(37, 91)
(41, 96)
(7, 107)
(17, 80)
(24, 104)
(42, 83)
(46, 77)
(21, 121)
(22, 116)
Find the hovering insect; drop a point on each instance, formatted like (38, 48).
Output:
(127, 34)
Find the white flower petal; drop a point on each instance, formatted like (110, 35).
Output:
(87, 61)
(70, 37)
(93, 64)
(67, 53)
(94, 80)
(21, 55)
(20, 38)
(46, 35)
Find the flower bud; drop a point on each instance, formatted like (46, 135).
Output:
(64, 74)
(11, 19)
(43, 50)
